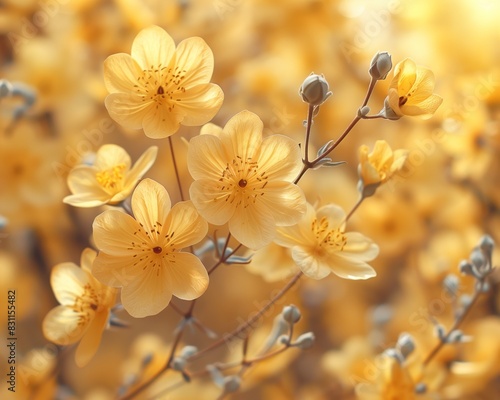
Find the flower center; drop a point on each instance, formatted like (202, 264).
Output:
(242, 182)
(86, 304)
(110, 178)
(331, 240)
(157, 250)
(161, 85)
(403, 100)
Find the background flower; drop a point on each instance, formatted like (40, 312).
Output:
(110, 179)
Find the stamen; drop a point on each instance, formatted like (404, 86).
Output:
(110, 178)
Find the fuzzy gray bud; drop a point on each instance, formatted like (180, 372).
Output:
(380, 65)
(305, 340)
(291, 314)
(405, 344)
(314, 90)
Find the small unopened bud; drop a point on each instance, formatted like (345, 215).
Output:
(405, 344)
(440, 331)
(455, 336)
(283, 339)
(231, 383)
(5, 88)
(477, 258)
(465, 268)
(380, 65)
(486, 244)
(291, 314)
(420, 388)
(451, 284)
(178, 363)
(363, 111)
(387, 112)
(315, 90)
(396, 354)
(188, 351)
(305, 340)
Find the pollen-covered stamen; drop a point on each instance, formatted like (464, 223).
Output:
(242, 182)
(86, 304)
(162, 85)
(112, 178)
(329, 239)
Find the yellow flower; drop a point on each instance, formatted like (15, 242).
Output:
(393, 382)
(84, 310)
(110, 180)
(410, 92)
(378, 166)
(320, 245)
(158, 87)
(245, 180)
(143, 256)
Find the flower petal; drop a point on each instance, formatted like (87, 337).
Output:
(360, 247)
(424, 109)
(153, 47)
(185, 226)
(334, 214)
(242, 136)
(187, 277)
(195, 57)
(299, 234)
(206, 156)
(114, 233)
(127, 109)
(62, 326)
(309, 264)
(83, 183)
(210, 201)
(285, 201)
(67, 281)
(87, 259)
(280, 158)
(141, 166)
(253, 226)
(91, 339)
(159, 122)
(349, 268)
(111, 155)
(148, 294)
(200, 103)
(118, 271)
(405, 75)
(120, 73)
(151, 205)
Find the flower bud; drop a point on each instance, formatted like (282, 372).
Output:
(5, 88)
(291, 314)
(405, 344)
(380, 65)
(387, 112)
(451, 284)
(188, 351)
(305, 340)
(314, 90)
(465, 267)
(486, 244)
(363, 111)
(231, 383)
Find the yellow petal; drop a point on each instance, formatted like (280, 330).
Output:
(308, 263)
(405, 75)
(210, 202)
(83, 184)
(285, 201)
(349, 268)
(87, 259)
(334, 214)
(299, 234)
(243, 135)
(280, 158)
(195, 57)
(118, 271)
(121, 73)
(187, 277)
(211, 129)
(67, 281)
(200, 103)
(127, 109)
(206, 157)
(359, 247)
(153, 47)
(114, 233)
(253, 226)
(185, 225)
(151, 205)
(141, 166)
(424, 109)
(111, 155)
(158, 122)
(424, 85)
(91, 339)
(148, 294)
(62, 326)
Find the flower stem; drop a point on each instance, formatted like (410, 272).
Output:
(456, 324)
(358, 203)
(309, 123)
(248, 324)
(177, 176)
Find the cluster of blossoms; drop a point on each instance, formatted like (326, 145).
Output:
(242, 180)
